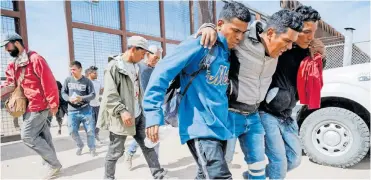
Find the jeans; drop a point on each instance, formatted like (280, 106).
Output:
(116, 149)
(134, 145)
(95, 111)
(84, 116)
(35, 134)
(231, 146)
(209, 155)
(283, 146)
(251, 142)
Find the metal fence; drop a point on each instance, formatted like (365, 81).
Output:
(97, 29)
(13, 19)
(7, 124)
(335, 53)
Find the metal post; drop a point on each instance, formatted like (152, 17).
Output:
(348, 46)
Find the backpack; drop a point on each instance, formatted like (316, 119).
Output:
(174, 95)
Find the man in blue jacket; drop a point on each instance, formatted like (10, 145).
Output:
(203, 110)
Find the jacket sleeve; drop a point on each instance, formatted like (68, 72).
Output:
(91, 92)
(48, 83)
(111, 97)
(205, 25)
(9, 85)
(65, 91)
(163, 74)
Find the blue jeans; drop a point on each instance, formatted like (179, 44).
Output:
(134, 146)
(84, 116)
(252, 143)
(231, 146)
(209, 155)
(283, 146)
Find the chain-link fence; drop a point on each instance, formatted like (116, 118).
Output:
(9, 125)
(335, 53)
(359, 56)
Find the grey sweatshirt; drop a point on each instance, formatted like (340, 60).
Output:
(82, 87)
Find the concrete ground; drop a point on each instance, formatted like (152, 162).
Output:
(19, 162)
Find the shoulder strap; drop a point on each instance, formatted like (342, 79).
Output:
(21, 77)
(205, 63)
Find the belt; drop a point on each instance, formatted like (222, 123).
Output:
(242, 112)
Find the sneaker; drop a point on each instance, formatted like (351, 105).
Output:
(93, 153)
(79, 151)
(53, 172)
(129, 161)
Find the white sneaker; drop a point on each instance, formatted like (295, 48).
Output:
(53, 173)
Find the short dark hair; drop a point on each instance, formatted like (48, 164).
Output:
(284, 19)
(76, 63)
(235, 10)
(307, 13)
(91, 69)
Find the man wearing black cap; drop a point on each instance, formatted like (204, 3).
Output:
(42, 94)
(121, 107)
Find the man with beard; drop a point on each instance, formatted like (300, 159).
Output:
(42, 94)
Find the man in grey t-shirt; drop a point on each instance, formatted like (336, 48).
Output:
(78, 91)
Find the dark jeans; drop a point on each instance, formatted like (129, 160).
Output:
(95, 111)
(209, 155)
(117, 147)
(59, 117)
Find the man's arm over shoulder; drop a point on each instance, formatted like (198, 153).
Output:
(48, 82)
(166, 70)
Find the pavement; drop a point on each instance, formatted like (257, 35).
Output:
(19, 162)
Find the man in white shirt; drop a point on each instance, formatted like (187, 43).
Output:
(92, 74)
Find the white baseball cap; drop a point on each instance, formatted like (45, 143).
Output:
(138, 41)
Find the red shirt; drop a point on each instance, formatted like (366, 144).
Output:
(310, 82)
(39, 84)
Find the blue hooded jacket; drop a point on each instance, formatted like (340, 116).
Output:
(203, 110)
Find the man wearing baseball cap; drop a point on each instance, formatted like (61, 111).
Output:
(145, 68)
(41, 91)
(121, 107)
